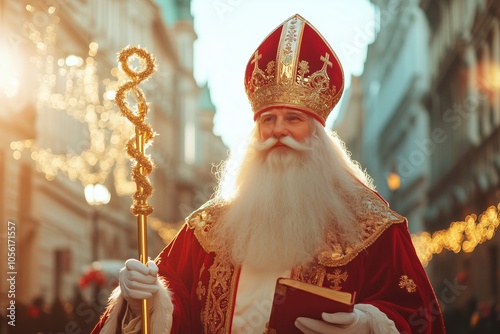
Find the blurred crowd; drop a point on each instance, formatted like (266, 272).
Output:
(476, 318)
(61, 317)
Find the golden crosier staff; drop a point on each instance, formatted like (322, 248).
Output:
(136, 146)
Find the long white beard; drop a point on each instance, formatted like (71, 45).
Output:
(284, 201)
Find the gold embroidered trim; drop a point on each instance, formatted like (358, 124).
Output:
(216, 315)
(407, 283)
(375, 217)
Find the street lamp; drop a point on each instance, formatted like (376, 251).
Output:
(393, 181)
(96, 195)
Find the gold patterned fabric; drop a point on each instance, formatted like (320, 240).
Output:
(294, 67)
(221, 289)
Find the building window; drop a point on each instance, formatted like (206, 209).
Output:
(189, 143)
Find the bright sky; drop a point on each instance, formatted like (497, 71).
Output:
(229, 31)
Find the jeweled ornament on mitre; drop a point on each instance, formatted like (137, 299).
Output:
(294, 67)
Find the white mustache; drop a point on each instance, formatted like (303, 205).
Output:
(288, 141)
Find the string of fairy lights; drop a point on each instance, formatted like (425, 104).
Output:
(81, 99)
(108, 133)
(460, 236)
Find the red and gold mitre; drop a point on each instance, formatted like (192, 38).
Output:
(294, 67)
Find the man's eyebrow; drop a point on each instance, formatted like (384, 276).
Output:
(287, 113)
(266, 113)
(295, 113)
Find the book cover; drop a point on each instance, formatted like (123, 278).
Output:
(293, 299)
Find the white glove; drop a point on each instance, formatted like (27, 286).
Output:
(356, 322)
(137, 282)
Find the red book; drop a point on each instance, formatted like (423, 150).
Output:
(293, 299)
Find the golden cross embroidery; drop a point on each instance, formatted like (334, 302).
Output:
(200, 290)
(407, 283)
(336, 278)
(325, 60)
(256, 57)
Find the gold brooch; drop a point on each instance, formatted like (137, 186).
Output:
(407, 283)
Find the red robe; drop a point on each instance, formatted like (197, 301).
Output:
(383, 270)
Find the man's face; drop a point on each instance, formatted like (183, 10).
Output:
(279, 122)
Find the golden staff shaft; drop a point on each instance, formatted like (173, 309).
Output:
(142, 228)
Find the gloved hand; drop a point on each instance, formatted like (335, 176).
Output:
(356, 322)
(137, 282)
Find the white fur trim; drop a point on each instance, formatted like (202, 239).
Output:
(381, 324)
(161, 307)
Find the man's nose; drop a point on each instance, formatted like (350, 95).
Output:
(279, 129)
